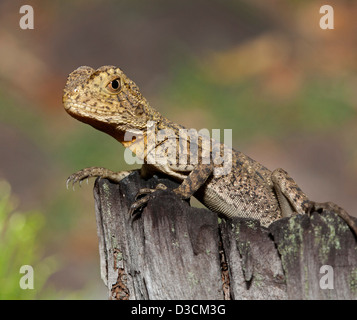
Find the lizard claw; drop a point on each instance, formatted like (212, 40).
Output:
(70, 179)
(332, 207)
(77, 177)
(321, 207)
(141, 199)
(136, 208)
(148, 191)
(83, 174)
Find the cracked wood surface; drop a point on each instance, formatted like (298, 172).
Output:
(174, 251)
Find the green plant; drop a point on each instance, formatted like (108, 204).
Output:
(20, 245)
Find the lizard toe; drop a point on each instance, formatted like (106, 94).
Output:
(321, 207)
(78, 177)
(136, 207)
(141, 199)
(148, 191)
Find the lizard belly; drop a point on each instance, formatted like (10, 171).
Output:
(240, 202)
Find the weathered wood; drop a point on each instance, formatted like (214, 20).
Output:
(254, 263)
(174, 251)
(171, 252)
(309, 247)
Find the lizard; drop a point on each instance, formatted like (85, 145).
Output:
(111, 102)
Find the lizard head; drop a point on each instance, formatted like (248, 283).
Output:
(107, 100)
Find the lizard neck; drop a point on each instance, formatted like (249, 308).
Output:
(145, 140)
(166, 124)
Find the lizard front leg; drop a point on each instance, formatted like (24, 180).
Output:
(145, 171)
(90, 172)
(190, 184)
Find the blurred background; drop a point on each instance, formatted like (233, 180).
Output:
(262, 68)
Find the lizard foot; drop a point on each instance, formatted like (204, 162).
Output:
(99, 172)
(332, 207)
(141, 199)
(321, 207)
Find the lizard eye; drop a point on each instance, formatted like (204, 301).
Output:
(114, 85)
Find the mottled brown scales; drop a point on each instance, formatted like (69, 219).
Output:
(109, 101)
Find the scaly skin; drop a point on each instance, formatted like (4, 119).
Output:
(109, 101)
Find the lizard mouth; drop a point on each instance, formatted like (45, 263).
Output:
(86, 113)
(75, 102)
(73, 106)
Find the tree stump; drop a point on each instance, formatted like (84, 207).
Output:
(174, 251)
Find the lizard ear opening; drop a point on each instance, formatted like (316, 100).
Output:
(114, 86)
